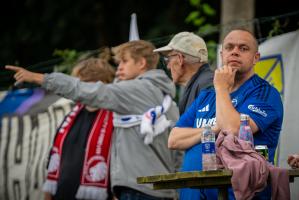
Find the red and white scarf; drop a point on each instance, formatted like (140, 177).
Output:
(95, 173)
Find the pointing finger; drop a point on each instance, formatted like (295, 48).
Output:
(13, 68)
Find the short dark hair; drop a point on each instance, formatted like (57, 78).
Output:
(245, 30)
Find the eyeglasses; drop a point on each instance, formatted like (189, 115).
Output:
(167, 58)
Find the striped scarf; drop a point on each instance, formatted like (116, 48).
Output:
(95, 172)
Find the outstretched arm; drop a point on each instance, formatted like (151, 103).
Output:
(23, 75)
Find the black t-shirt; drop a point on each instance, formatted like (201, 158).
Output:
(73, 153)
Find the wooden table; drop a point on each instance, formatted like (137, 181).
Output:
(220, 179)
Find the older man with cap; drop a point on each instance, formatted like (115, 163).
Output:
(186, 56)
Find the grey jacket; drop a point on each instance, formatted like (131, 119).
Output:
(130, 157)
(202, 79)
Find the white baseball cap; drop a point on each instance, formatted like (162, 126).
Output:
(188, 43)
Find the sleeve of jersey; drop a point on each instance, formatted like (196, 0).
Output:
(188, 117)
(263, 110)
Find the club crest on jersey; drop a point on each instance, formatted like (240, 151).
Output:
(234, 102)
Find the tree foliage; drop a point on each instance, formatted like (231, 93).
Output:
(31, 33)
(201, 18)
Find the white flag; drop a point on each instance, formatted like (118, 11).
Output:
(134, 35)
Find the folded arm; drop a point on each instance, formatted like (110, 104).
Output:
(184, 138)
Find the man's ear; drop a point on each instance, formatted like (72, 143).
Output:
(256, 57)
(181, 58)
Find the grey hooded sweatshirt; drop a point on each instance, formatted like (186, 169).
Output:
(130, 157)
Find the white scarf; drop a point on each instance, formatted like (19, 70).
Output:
(152, 123)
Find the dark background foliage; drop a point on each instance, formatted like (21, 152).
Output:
(31, 30)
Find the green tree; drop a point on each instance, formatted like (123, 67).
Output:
(200, 18)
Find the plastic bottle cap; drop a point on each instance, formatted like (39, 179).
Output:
(244, 117)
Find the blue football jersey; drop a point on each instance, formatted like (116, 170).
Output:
(256, 97)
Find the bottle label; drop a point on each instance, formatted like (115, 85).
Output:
(246, 134)
(208, 147)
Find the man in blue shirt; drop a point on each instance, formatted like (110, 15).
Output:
(237, 89)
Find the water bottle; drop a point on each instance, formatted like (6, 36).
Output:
(245, 132)
(208, 149)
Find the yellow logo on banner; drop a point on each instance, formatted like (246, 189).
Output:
(271, 69)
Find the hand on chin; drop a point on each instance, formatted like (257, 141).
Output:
(234, 66)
